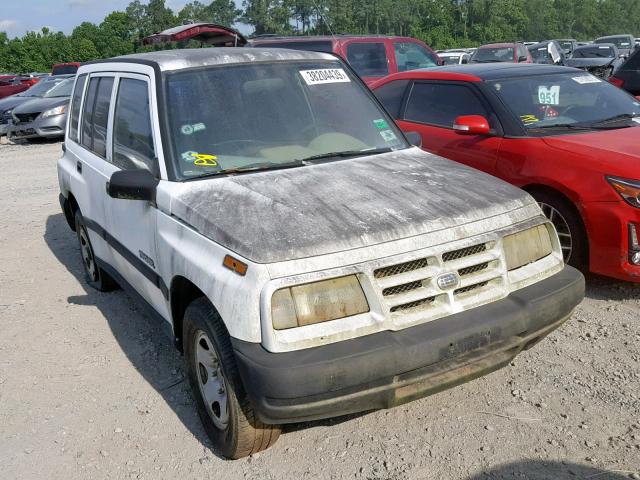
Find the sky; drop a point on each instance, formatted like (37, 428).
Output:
(17, 17)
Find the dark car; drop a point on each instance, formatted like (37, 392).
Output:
(567, 44)
(501, 52)
(602, 60)
(628, 75)
(547, 53)
(37, 91)
(624, 43)
(45, 116)
(371, 56)
(68, 68)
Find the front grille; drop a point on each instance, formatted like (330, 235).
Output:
(406, 287)
(464, 252)
(473, 269)
(470, 288)
(413, 305)
(401, 268)
(26, 117)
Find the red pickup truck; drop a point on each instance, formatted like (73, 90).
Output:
(12, 84)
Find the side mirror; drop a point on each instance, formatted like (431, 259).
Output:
(414, 138)
(465, 61)
(133, 185)
(522, 59)
(471, 125)
(440, 62)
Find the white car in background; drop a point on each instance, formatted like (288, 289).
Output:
(454, 57)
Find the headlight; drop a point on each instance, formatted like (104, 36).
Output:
(629, 190)
(317, 302)
(526, 247)
(54, 111)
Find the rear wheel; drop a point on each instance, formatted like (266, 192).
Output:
(222, 404)
(568, 223)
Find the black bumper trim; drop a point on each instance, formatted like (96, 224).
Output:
(389, 368)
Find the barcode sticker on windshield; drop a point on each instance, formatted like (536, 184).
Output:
(326, 75)
(586, 79)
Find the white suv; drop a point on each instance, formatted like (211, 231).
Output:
(308, 260)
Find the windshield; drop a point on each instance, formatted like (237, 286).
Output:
(450, 60)
(270, 115)
(620, 42)
(594, 52)
(493, 54)
(64, 70)
(566, 44)
(62, 89)
(41, 88)
(562, 101)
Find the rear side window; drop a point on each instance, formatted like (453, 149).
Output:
(368, 59)
(441, 104)
(96, 115)
(317, 46)
(391, 95)
(132, 133)
(411, 56)
(76, 103)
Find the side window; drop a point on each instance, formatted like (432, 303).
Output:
(75, 107)
(634, 61)
(368, 59)
(391, 95)
(440, 104)
(410, 56)
(132, 133)
(96, 115)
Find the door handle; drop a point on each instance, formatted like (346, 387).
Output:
(79, 167)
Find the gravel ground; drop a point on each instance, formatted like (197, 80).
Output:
(91, 388)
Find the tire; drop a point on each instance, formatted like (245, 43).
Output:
(95, 276)
(235, 431)
(565, 217)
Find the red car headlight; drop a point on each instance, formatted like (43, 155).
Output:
(629, 190)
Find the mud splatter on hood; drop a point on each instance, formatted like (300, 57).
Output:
(297, 213)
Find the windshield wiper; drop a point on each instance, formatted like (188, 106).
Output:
(616, 118)
(254, 167)
(568, 126)
(346, 154)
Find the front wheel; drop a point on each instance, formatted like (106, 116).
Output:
(222, 404)
(568, 223)
(96, 277)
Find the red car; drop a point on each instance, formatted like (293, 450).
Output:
(69, 68)
(570, 139)
(502, 53)
(371, 56)
(12, 84)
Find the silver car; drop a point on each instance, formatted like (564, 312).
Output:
(42, 117)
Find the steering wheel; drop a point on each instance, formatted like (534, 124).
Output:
(315, 128)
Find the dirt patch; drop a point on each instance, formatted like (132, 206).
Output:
(91, 388)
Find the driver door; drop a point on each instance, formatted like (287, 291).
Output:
(132, 223)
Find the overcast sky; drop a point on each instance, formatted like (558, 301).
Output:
(17, 17)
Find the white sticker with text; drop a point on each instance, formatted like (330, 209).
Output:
(326, 75)
(582, 79)
(549, 96)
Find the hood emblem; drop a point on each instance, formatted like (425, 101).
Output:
(448, 281)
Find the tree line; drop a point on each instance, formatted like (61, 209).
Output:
(440, 23)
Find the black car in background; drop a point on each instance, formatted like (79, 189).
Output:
(628, 75)
(625, 44)
(549, 52)
(567, 44)
(599, 59)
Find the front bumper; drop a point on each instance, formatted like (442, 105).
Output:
(41, 127)
(386, 369)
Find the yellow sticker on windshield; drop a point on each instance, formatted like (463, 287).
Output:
(529, 118)
(204, 160)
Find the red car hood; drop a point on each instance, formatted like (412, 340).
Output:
(616, 152)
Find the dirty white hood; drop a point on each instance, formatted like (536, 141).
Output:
(282, 215)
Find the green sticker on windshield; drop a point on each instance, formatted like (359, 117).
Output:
(388, 136)
(381, 124)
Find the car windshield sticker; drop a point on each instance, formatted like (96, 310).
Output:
(549, 95)
(388, 136)
(636, 119)
(326, 75)
(529, 119)
(381, 124)
(582, 79)
(200, 159)
(189, 129)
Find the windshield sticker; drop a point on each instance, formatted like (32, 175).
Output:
(529, 119)
(636, 119)
(388, 136)
(381, 124)
(326, 75)
(200, 159)
(190, 129)
(549, 96)
(586, 79)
